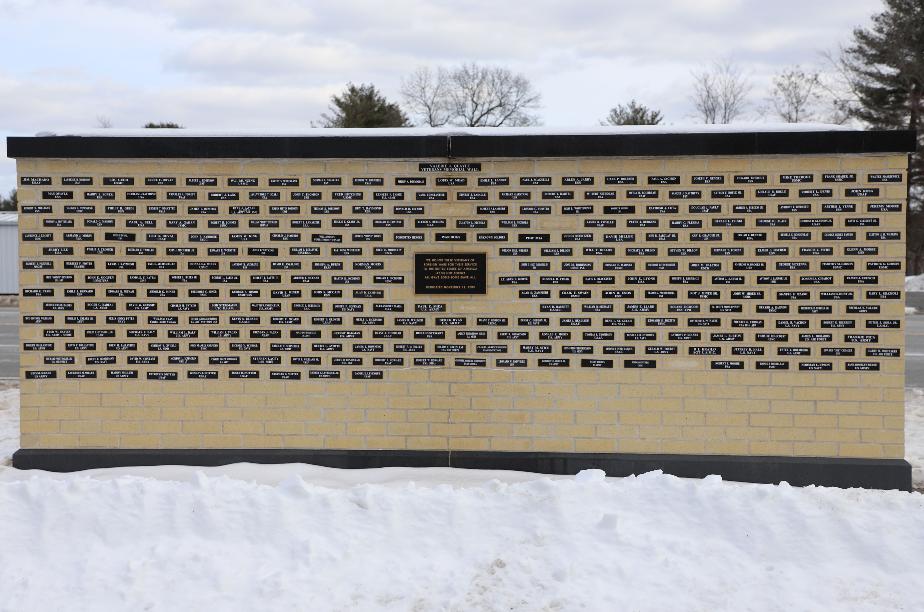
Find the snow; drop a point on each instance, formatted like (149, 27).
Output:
(692, 128)
(9, 424)
(286, 537)
(914, 283)
(914, 434)
(652, 542)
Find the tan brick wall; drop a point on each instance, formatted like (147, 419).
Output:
(680, 405)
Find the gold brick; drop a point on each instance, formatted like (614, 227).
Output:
(139, 441)
(469, 443)
(760, 447)
(161, 427)
(98, 441)
(860, 422)
(792, 433)
(594, 446)
(644, 418)
(180, 441)
(56, 413)
(815, 449)
(427, 443)
(511, 444)
(203, 427)
(80, 427)
(725, 447)
(696, 447)
(291, 441)
(385, 442)
(221, 441)
(683, 418)
(639, 446)
(551, 445)
(246, 427)
(881, 436)
(872, 451)
(261, 441)
(366, 429)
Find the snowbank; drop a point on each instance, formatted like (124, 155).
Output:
(649, 543)
(9, 424)
(914, 283)
(914, 434)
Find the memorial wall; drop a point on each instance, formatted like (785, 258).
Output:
(725, 302)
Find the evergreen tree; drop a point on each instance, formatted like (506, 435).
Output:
(363, 107)
(885, 65)
(10, 203)
(162, 124)
(632, 113)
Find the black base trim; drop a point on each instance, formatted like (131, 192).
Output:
(797, 471)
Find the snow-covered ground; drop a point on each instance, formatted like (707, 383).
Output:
(298, 537)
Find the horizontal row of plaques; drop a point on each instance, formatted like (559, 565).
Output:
(490, 181)
(357, 212)
(522, 238)
(463, 196)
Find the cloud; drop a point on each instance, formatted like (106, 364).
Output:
(260, 56)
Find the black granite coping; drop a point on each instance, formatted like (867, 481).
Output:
(459, 146)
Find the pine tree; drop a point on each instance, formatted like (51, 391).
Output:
(363, 107)
(885, 65)
(632, 113)
(9, 203)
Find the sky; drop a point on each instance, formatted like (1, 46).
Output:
(274, 64)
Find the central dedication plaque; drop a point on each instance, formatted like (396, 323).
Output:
(450, 273)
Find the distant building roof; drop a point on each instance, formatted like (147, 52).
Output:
(9, 218)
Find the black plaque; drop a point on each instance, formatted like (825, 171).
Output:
(450, 273)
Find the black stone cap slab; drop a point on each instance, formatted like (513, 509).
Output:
(711, 143)
(453, 146)
(292, 147)
(797, 471)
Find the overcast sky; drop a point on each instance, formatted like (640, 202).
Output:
(227, 64)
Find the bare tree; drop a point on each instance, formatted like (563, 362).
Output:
(102, 121)
(795, 94)
(424, 94)
(720, 93)
(471, 95)
(838, 84)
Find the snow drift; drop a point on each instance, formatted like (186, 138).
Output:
(654, 542)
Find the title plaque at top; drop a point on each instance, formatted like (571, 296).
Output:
(450, 167)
